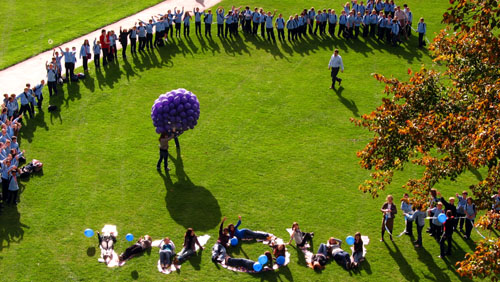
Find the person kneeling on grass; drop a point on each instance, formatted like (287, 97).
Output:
(167, 253)
(107, 245)
(300, 237)
(245, 233)
(357, 255)
(219, 248)
(189, 249)
(142, 245)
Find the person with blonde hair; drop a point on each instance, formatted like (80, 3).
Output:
(389, 210)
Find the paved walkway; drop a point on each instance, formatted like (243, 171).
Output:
(14, 78)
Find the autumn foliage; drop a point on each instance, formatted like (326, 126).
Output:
(447, 122)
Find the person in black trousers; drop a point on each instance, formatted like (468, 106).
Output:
(133, 40)
(208, 23)
(123, 41)
(139, 247)
(449, 225)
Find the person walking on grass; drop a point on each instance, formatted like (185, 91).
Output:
(335, 65)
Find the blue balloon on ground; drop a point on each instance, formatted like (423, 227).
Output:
(129, 237)
(280, 260)
(349, 240)
(262, 259)
(442, 217)
(234, 241)
(88, 232)
(257, 266)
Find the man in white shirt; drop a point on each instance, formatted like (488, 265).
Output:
(335, 65)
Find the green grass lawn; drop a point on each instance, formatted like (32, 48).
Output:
(27, 26)
(273, 145)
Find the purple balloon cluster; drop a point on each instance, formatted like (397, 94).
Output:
(177, 109)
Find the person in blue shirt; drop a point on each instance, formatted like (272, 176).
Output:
(324, 21)
(366, 24)
(13, 185)
(351, 20)
(409, 17)
(25, 100)
(149, 33)
(220, 21)
(69, 62)
(357, 23)
(387, 8)
(133, 39)
(247, 17)
(310, 16)
(361, 8)
(381, 26)
(373, 22)
(112, 45)
(406, 207)
(141, 30)
(229, 23)
(301, 25)
(208, 23)
(85, 54)
(470, 216)
(178, 21)
(256, 21)
(38, 93)
(290, 26)
(159, 31)
(421, 29)
(388, 28)
(395, 32)
(187, 18)
(418, 216)
(58, 65)
(318, 22)
(332, 22)
(280, 27)
(96, 48)
(31, 99)
(269, 26)
(197, 20)
(262, 22)
(51, 79)
(342, 25)
(335, 65)
(170, 24)
(392, 7)
(236, 20)
(379, 6)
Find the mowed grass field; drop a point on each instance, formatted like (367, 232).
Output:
(273, 145)
(27, 26)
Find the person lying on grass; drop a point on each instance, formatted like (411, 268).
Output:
(107, 244)
(139, 247)
(340, 256)
(246, 234)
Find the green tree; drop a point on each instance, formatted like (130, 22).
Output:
(447, 122)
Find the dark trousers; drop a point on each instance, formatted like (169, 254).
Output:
(178, 29)
(270, 34)
(132, 250)
(305, 238)
(342, 258)
(32, 109)
(164, 158)
(208, 29)
(39, 100)
(255, 28)
(388, 34)
(366, 30)
(409, 227)
(171, 28)
(389, 223)
(166, 257)
(240, 262)
(372, 30)
(341, 30)
(124, 49)
(395, 39)
(105, 55)
(262, 29)
(52, 85)
(331, 29)
(142, 43)
(421, 42)
(228, 29)
(335, 72)
(97, 58)
(13, 197)
(186, 30)
(250, 234)
(220, 30)
(419, 234)
(461, 220)
(447, 238)
(356, 31)
(381, 33)
(114, 52)
(468, 227)
(158, 38)
(291, 34)
(281, 34)
(438, 232)
(25, 108)
(85, 65)
(70, 68)
(133, 45)
(5, 189)
(197, 27)
(316, 28)
(149, 40)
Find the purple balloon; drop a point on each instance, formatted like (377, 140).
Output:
(187, 106)
(178, 108)
(182, 114)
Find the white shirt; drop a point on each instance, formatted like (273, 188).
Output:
(335, 62)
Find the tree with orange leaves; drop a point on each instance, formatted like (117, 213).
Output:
(447, 122)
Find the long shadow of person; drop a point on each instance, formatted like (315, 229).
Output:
(188, 204)
(404, 267)
(350, 104)
(11, 229)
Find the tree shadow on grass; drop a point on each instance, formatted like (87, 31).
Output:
(11, 228)
(188, 204)
(404, 267)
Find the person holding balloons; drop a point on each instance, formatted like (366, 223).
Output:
(438, 225)
(164, 138)
(389, 210)
(418, 217)
(139, 247)
(449, 226)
